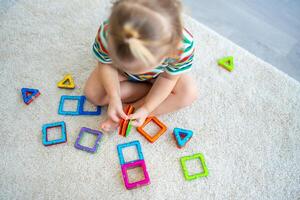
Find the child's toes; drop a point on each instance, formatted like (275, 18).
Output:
(103, 127)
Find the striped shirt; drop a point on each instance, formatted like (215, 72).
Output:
(182, 64)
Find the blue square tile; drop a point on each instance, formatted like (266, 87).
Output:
(63, 138)
(83, 112)
(63, 98)
(135, 143)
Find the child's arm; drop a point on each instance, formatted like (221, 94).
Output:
(111, 84)
(160, 90)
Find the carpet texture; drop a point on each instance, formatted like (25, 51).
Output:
(246, 123)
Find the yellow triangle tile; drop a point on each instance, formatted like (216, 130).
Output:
(67, 82)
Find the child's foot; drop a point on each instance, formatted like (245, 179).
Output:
(109, 125)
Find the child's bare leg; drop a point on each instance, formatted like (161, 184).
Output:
(184, 93)
(130, 91)
(96, 93)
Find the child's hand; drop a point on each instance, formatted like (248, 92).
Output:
(115, 110)
(139, 116)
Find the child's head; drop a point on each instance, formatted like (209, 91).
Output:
(143, 32)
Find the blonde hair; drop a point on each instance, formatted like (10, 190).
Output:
(139, 28)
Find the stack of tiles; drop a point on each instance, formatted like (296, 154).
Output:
(79, 108)
(126, 165)
(125, 125)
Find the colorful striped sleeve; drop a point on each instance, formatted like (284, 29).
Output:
(100, 45)
(184, 63)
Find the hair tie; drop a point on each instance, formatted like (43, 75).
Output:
(129, 31)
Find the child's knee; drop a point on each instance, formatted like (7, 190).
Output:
(89, 94)
(188, 95)
(94, 97)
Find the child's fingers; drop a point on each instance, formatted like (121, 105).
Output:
(135, 123)
(134, 116)
(114, 117)
(123, 115)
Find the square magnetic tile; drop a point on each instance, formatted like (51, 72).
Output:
(150, 138)
(185, 170)
(83, 131)
(135, 143)
(63, 138)
(138, 163)
(63, 98)
(83, 112)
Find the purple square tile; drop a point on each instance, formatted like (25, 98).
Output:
(84, 130)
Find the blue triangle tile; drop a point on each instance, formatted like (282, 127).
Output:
(182, 136)
(29, 94)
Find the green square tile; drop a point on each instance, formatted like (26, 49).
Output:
(185, 170)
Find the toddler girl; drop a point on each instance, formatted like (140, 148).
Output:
(143, 54)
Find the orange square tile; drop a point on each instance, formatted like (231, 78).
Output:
(150, 138)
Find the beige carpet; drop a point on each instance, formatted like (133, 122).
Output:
(246, 123)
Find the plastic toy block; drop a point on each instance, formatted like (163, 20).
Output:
(123, 120)
(124, 123)
(83, 112)
(61, 110)
(84, 130)
(182, 136)
(135, 143)
(158, 134)
(67, 82)
(132, 185)
(227, 63)
(128, 128)
(45, 128)
(197, 175)
(29, 94)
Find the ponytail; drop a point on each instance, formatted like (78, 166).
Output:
(136, 46)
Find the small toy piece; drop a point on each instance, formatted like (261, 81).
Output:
(158, 134)
(128, 128)
(83, 112)
(83, 130)
(29, 94)
(135, 143)
(185, 170)
(182, 136)
(67, 82)
(124, 123)
(45, 127)
(61, 110)
(123, 120)
(80, 106)
(131, 165)
(227, 63)
(125, 165)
